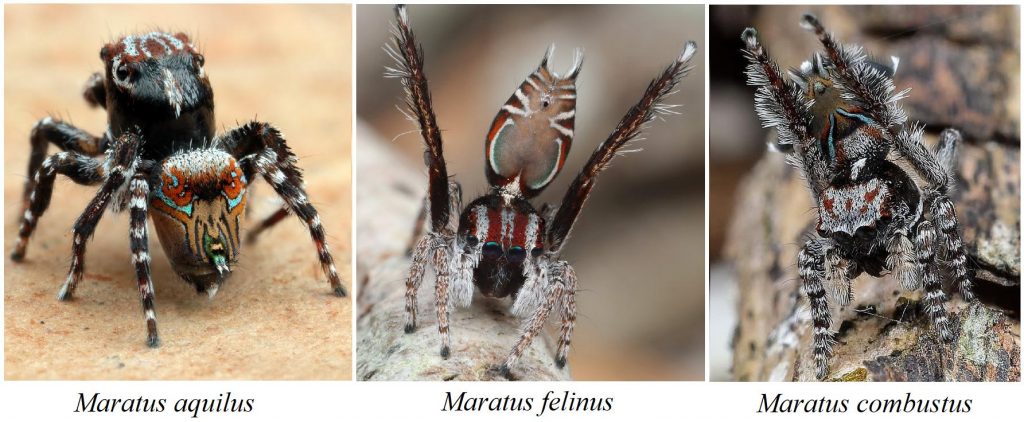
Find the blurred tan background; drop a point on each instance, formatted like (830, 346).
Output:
(962, 63)
(638, 246)
(276, 318)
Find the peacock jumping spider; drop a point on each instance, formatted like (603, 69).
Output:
(500, 243)
(838, 118)
(160, 153)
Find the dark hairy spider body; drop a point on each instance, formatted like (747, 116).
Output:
(500, 243)
(160, 157)
(839, 120)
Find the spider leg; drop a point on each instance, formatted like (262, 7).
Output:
(455, 284)
(94, 92)
(554, 291)
(420, 253)
(139, 240)
(567, 305)
(64, 135)
(937, 168)
(953, 245)
(262, 150)
(119, 166)
(837, 277)
(266, 223)
(441, 293)
(902, 260)
(409, 68)
(811, 263)
(80, 168)
(934, 296)
(779, 104)
(868, 86)
(955, 257)
(628, 128)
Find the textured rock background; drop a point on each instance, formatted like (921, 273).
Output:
(276, 318)
(963, 64)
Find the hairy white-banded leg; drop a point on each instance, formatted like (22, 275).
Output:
(536, 274)
(66, 136)
(462, 274)
(552, 293)
(79, 168)
(263, 151)
(836, 276)
(120, 164)
(934, 297)
(139, 240)
(955, 258)
(441, 292)
(412, 283)
(901, 260)
(565, 274)
(811, 262)
(952, 245)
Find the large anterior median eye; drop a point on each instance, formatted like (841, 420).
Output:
(492, 250)
(121, 73)
(516, 254)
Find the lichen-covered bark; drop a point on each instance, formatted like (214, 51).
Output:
(390, 196)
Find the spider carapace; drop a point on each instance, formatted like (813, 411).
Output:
(160, 157)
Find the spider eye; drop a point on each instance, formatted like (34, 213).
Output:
(819, 88)
(516, 254)
(472, 241)
(122, 72)
(492, 250)
(545, 103)
(536, 252)
(200, 60)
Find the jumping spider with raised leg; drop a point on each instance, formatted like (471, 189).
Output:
(159, 153)
(838, 118)
(500, 243)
